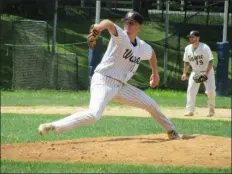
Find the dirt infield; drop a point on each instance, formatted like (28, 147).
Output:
(193, 150)
(171, 112)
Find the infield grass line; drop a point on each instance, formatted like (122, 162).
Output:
(165, 98)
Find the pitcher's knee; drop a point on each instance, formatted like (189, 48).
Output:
(95, 116)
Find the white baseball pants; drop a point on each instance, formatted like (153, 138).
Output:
(193, 89)
(103, 89)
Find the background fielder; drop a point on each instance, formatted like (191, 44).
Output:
(199, 56)
(121, 60)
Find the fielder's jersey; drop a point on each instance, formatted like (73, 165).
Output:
(198, 58)
(121, 59)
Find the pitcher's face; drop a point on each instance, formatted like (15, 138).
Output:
(131, 27)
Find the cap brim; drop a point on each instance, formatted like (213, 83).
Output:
(192, 36)
(129, 19)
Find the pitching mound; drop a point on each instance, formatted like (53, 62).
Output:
(194, 150)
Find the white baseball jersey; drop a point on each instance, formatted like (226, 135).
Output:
(118, 65)
(121, 59)
(198, 58)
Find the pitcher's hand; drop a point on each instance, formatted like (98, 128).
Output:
(183, 77)
(154, 80)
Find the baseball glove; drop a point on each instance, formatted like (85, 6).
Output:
(93, 36)
(200, 77)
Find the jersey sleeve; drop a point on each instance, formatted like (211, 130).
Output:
(208, 53)
(121, 35)
(147, 52)
(185, 57)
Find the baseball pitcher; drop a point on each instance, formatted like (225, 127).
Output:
(199, 56)
(121, 60)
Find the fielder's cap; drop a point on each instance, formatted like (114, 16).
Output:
(133, 16)
(194, 33)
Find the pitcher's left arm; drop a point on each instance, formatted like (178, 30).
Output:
(154, 78)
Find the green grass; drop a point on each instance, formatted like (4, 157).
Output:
(38, 167)
(22, 128)
(81, 98)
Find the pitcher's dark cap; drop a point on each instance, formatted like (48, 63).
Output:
(133, 16)
(194, 33)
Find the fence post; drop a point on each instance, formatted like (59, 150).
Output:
(225, 20)
(185, 11)
(158, 4)
(206, 6)
(82, 3)
(207, 9)
(54, 45)
(182, 5)
(166, 44)
(98, 10)
(163, 10)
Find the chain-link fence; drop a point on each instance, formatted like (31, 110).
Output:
(34, 66)
(29, 54)
(67, 72)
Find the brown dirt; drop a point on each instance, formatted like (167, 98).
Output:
(171, 112)
(192, 150)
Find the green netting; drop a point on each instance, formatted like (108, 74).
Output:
(67, 71)
(30, 60)
(34, 66)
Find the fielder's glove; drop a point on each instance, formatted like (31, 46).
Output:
(93, 36)
(200, 77)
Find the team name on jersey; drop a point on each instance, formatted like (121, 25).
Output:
(129, 55)
(197, 58)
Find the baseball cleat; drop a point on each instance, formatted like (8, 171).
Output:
(173, 135)
(45, 128)
(189, 114)
(211, 113)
